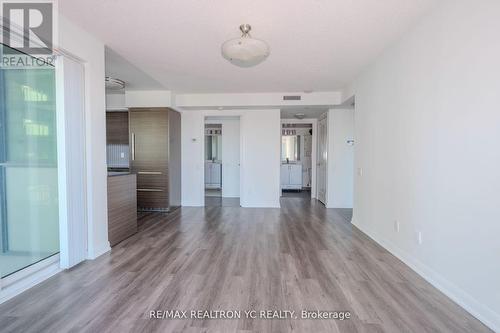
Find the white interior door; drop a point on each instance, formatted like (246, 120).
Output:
(322, 159)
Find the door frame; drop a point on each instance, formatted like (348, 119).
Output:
(314, 153)
(226, 114)
(325, 118)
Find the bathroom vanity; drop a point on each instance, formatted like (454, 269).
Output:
(291, 176)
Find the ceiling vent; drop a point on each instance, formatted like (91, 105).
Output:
(292, 98)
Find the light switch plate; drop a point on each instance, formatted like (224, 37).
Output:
(396, 225)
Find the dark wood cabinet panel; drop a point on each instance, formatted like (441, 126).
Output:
(149, 145)
(117, 128)
(122, 207)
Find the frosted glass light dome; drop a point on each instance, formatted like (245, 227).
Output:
(245, 51)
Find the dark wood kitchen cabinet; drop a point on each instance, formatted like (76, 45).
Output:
(149, 156)
(122, 206)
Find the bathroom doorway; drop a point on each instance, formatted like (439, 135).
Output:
(297, 168)
(222, 161)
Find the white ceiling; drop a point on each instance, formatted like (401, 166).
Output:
(120, 68)
(317, 45)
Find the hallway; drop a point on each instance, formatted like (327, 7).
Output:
(299, 257)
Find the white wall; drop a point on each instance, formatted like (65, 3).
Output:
(138, 98)
(115, 101)
(427, 135)
(340, 159)
(193, 161)
(230, 157)
(259, 156)
(148, 98)
(264, 100)
(174, 158)
(81, 44)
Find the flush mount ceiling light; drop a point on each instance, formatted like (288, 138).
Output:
(245, 51)
(114, 84)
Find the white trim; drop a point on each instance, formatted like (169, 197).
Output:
(327, 117)
(323, 116)
(28, 277)
(483, 313)
(221, 118)
(61, 160)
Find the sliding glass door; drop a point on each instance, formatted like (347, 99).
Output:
(29, 228)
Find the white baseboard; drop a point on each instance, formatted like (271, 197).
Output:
(459, 296)
(23, 280)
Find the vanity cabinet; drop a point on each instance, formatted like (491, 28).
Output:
(291, 176)
(213, 175)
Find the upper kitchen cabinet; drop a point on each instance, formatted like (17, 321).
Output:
(117, 140)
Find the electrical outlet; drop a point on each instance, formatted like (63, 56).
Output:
(122, 155)
(396, 225)
(360, 172)
(420, 238)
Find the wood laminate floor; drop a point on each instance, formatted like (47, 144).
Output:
(300, 257)
(222, 202)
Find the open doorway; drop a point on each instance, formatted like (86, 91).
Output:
(297, 169)
(213, 160)
(222, 161)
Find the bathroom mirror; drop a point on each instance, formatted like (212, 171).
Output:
(213, 147)
(290, 148)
